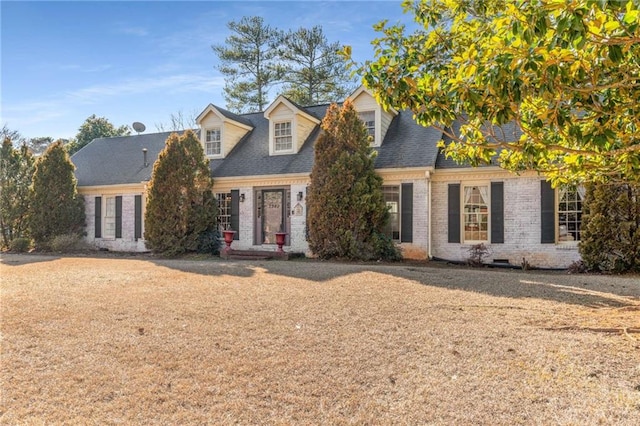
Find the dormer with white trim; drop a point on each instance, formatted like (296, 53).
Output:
(375, 119)
(289, 126)
(220, 131)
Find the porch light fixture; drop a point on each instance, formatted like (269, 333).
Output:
(300, 196)
(242, 198)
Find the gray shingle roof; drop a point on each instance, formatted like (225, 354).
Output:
(408, 144)
(119, 160)
(511, 131)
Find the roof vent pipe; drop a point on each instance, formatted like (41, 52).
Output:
(144, 154)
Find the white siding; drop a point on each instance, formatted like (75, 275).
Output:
(304, 127)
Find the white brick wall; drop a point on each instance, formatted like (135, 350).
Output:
(127, 243)
(418, 249)
(522, 225)
(297, 236)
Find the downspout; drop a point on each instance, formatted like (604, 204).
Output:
(429, 198)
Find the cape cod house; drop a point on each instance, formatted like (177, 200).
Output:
(261, 163)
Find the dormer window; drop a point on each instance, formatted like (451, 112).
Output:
(376, 120)
(369, 120)
(221, 130)
(213, 144)
(283, 136)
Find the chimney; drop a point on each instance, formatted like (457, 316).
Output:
(144, 155)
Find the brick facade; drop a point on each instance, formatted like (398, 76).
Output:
(522, 227)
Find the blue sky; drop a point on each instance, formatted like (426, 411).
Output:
(142, 61)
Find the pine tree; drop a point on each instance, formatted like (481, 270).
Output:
(314, 71)
(181, 208)
(610, 236)
(16, 173)
(56, 208)
(248, 62)
(347, 212)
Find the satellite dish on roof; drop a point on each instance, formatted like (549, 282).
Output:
(139, 127)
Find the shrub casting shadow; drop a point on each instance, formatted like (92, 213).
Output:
(581, 289)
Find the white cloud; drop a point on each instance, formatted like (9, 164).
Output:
(131, 30)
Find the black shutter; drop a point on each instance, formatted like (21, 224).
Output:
(137, 221)
(454, 213)
(406, 206)
(119, 216)
(235, 213)
(497, 212)
(548, 213)
(98, 218)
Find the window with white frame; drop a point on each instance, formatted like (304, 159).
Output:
(224, 210)
(475, 213)
(213, 143)
(283, 140)
(392, 199)
(570, 213)
(369, 120)
(110, 217)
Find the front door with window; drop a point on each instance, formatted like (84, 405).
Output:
(272, 209)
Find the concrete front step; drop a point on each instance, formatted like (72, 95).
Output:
(253, 255)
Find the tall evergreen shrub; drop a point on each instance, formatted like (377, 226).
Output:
(56, 208)
(347, 212)
(16, 173)
(610, 238)
(181, 209)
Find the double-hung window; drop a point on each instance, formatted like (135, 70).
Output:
(110, 217)
(392, 199)
(476, 213)
(224, 211)
(213, 144)
(369, 120)
(569, 219)
(283, 140)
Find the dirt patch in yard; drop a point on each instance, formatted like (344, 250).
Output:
(148, 341)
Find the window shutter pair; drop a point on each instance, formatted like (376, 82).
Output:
(497, 213)
(98, 217)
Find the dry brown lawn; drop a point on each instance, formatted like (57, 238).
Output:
(146, 341)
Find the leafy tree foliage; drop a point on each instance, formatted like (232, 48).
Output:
(56, 208)
(180, 206)
(566, 73)
(16, 171)
(38, 145)
(610, 238)
(347, 212)
(312, 68)
(248, 62)
(92, 128)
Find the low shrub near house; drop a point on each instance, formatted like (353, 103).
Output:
(477, 254)
(67, 243)
(20, 245)
(209, 242)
